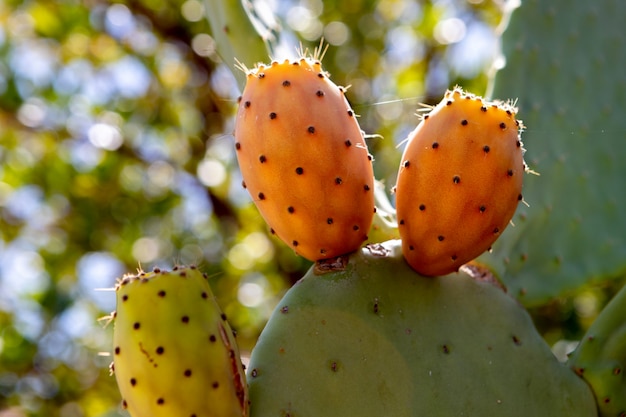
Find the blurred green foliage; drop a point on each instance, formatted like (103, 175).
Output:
(116, 154)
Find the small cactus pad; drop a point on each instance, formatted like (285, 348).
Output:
(459, 183)
(174, 353)
(303, 158)
(565, 63)
(600, 358)
(374, 338)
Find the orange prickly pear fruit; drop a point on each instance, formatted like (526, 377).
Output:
(304, 159)
(459, 183)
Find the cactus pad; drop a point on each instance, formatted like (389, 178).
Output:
(374, 338)
(564, 62)
(601, 357)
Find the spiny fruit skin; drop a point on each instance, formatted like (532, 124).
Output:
(459, 183)
(174, 352)
(303, 158)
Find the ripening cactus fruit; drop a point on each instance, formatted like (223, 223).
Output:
(174, 352)
(304, 159)
(460, 181)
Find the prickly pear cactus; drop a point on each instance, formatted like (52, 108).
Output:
(174, 352)
(303, 158)
(374, 338)
(600, 358)
(460, 181)
(239, 33)
(565, 63)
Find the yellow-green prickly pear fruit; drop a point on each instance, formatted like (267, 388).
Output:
(174, 352)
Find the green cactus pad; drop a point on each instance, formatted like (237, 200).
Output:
(175, 354)
(240, 34)
(565, 64)
(373, 338)
(601, 357)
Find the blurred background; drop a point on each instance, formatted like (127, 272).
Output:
(116, 153)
